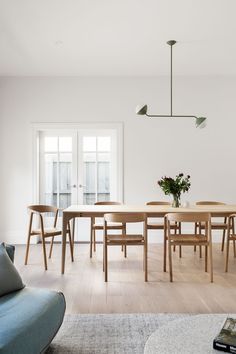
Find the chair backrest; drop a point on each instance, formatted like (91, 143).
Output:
(125, 217)
(43, 208)
(208, 202)
(188, 217)
(192, 218)
(107, 203)
(158, 203)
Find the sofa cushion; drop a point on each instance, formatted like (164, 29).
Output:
(10, 279)
(10, 251)
(29, 320)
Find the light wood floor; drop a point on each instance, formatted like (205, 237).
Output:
(126, 292)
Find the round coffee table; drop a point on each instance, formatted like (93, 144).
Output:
(193, 334)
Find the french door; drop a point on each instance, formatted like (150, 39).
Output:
(78, 166)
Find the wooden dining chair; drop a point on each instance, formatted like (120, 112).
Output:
(98, 225)
(196, 239)
(231, 236)
(158, 223)
(124, 239)
(220, 225)
(45, 232)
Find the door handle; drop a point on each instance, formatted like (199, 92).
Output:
(81, 186)
(74, 186)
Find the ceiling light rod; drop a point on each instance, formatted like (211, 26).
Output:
(171, 43)
(200, 121)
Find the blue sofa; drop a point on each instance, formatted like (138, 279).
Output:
(29, 319)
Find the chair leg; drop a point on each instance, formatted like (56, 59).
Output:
(51, 246)
(164, 248)
(94, 241)
(91, 238)
(44, 253)
(223, 241)
(125, 251)
(227, 252)
(105, 261)
(206, 258)
(124, 246)
(180, 248)
(145, 263)
(211, 262)
(71, 244)
(180, 252)
(28, 239)
(195, 232)
(200, 251)
(73, 234)
(27, 249)
(174, 247)
(234, 248)
(170, 261)
(200, 247)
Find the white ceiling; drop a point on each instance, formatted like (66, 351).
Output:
(117, 37)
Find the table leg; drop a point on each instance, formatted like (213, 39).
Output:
(165, 239)
(65, 220)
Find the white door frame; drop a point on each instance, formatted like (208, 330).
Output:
(41, 127)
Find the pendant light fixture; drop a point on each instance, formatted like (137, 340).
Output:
(200, 121)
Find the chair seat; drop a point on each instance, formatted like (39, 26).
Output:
(110, 225)
(48, 231)
(125, 239)
(188, 238)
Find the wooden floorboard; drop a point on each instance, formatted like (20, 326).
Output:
(126, 292)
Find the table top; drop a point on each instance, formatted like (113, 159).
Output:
(192, 334)
(149, 209)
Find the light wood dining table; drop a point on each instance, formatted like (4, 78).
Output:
(88, 211)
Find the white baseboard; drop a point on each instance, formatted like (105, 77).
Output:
(16, 237)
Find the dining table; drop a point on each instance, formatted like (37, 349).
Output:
(91, 211)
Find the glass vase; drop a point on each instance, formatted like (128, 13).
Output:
(176, 201)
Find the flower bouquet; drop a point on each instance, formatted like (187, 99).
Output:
(175, 186)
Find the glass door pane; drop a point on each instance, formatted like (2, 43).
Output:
(65, 183)
(57, 170)
(77, 168)
(96, 168)
(50, 191)
(89, 174)
(103, 176)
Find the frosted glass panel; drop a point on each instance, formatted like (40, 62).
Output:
(104, 156)
(50, 144)
(89, 143)
(65, 169)
(104, 177)
(89, 157)
(104, 143)
(50, 182)
(89, 192)
(65, 144)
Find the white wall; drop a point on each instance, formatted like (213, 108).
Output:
(152, 147)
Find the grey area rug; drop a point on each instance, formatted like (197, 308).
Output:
(107, 334)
